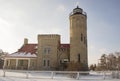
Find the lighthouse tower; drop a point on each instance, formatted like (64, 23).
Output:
(78, 37)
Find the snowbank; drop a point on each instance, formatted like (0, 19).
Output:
(17, 75)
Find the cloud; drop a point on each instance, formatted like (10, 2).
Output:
(77, 3)
(61, 8)
(92, 47)
(94, 53)
(3, 22)
(6, 35)
(102, 50)
(5, 27)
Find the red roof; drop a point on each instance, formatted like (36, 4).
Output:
(65, 45)
(32, 48)
(28, 48)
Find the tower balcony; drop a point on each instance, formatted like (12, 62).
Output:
(78, 11)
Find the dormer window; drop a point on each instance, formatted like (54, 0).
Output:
(36, 47)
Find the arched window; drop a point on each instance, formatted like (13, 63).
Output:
(78, 57)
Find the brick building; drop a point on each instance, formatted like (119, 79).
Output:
(49, 53)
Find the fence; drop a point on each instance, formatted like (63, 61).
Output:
(61, 74)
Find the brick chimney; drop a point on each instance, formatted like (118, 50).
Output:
(25, 41)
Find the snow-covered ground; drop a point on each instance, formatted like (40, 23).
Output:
(49, 76)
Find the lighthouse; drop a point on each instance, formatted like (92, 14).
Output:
(78, 37)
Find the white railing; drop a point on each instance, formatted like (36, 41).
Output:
(61, 74)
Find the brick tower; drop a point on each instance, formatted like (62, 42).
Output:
(78, 37)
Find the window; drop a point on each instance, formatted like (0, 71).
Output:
(78, 57)
(32, 63)
(48, 63)
(21, 62)
(47, 50)
(62, 49)
(81, 37)
(7, 63)
(44, 64)
(36, 47)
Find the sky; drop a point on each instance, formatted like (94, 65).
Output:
(21, 19)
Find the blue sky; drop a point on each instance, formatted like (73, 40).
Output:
(21, 19)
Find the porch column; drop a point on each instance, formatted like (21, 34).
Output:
(9, 62)
(4, 64)
(16, 63)
(29, 63)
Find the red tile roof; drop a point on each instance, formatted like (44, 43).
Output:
(28, 48)
(65, 45)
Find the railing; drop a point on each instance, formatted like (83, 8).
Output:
(61, 74)
(83, 13)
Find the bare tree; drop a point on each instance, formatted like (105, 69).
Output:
(2, 55)
(109, 62)
(103, 61)
(117, 60)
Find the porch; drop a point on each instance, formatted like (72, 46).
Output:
(20, 63)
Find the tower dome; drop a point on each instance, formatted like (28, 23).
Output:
(78, 10)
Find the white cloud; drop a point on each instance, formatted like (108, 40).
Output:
(102, 50)
(92, 47)
(6, 35)
(94, 53)
(2, 21)
(77, 3)
(4, 26)
(61, 8)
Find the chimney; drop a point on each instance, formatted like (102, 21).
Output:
(25, 41)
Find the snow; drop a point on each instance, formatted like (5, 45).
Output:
(22, 54)
(17, 75)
